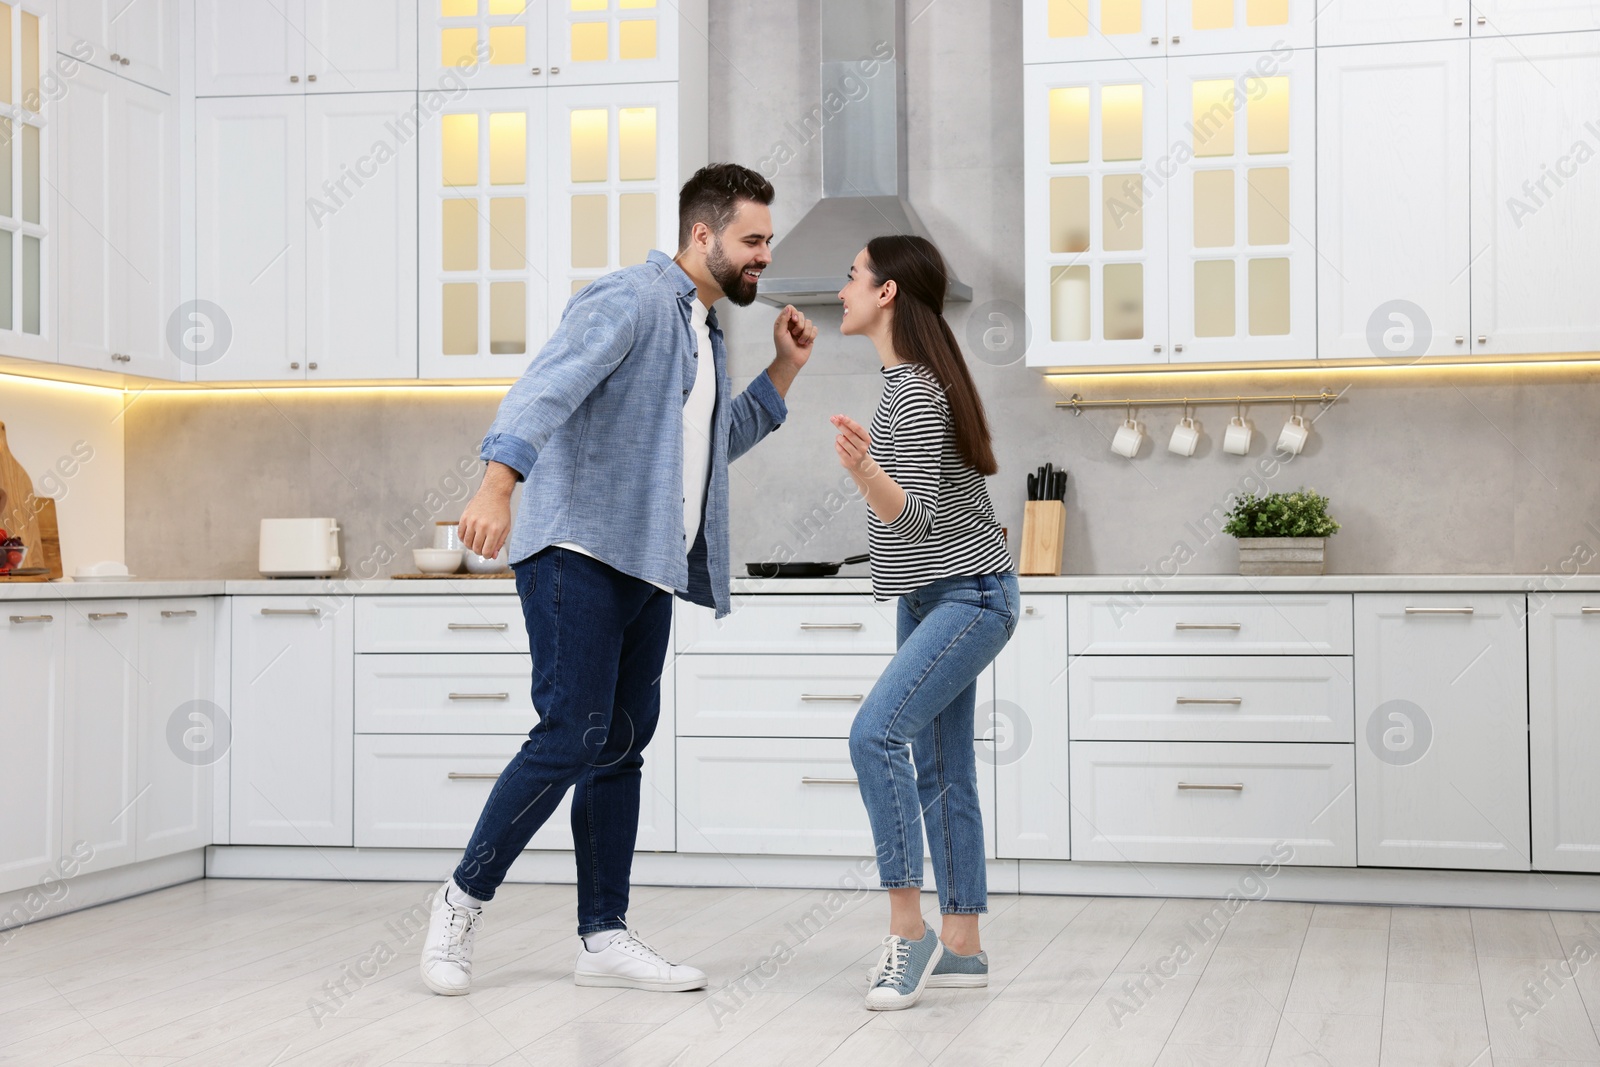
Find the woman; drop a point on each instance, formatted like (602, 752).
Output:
(936, 544)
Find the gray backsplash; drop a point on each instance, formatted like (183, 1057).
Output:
(1488, 471)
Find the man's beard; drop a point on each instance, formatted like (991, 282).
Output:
(735, 286)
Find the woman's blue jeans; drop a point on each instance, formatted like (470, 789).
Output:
(921, 712)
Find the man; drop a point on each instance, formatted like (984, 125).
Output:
(626, 403)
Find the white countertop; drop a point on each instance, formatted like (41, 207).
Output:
(1128, 584)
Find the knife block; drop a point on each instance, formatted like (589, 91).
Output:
(1044, 535)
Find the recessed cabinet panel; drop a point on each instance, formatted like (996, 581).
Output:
(360, 45)
(1243, 274)
(1494, 18)
(1441, 731)
(1058, 30)
(249, 46)
(1393, 159)
(1378, 21)
(1535, 198)
(1564, 730)
(1097, 266)
(32, 658)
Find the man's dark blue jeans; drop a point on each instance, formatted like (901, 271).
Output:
(598, 638)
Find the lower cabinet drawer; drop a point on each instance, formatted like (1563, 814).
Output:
(480, 693)
(1212, 698)
(427, 790)
(786, 796)
(1175, 802)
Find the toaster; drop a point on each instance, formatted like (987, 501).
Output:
(299, 548)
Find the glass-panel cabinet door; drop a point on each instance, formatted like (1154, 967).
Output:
(1097, 209)
(1057, 30)
(481, 44)
(594, 42)
(1204, 27)
(482, 275)
(27, 181)
(1243, 263)
(613, 181)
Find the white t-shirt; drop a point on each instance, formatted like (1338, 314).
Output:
(697, 412)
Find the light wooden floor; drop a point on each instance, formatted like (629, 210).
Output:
(238, 973)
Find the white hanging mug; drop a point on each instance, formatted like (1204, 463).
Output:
(1236, 438)
(1294, 436)
(1185, 437)
(1128, 438)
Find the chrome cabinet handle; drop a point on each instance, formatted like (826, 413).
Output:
(1177, 348)
(480, 696)
(119, 357)
(123, 61)
(1030, 610)
(1176, 38)
(808, 780)
(32, 618)
(295, 365)
(294, 79)
(1482, 21)
(1438, 611)
(108, 614)
(851, 698)
(1235, 701)
(477, 625)
(1236, 787)
(555, 70)
(536, 70)
(1586, 610)
(831, 625)
(311, 366)
(1483, 339)
(291, 611)
(472, 776)
(311, 77)
(115, 58)
(1155, 40)
(1458, 22)
(1208, 626)
(168, 613)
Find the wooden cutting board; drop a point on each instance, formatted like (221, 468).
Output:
(26, 516)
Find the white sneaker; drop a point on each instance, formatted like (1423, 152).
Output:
(447, 953)
(629, 963)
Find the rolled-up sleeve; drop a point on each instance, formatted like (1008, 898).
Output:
(594, 336)
(754, 413)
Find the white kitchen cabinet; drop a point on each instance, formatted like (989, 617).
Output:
(360, 46)
(1379, 21)
(100, 754)
(181, 725)
(27, 204)
(32, 704)
(1177, 802)
(1535, 201)
(807, 625)
(593, 42)
(250, 235)
(1564, 730)
(1393, 202)
(1495, 18)
(483, 44)
(291, 762)
(1060, 30)
(1441, 731)
(1209, 624)
(118, 228)
(293, 47)
(1097, 259)
(135, 39)
(1057, 30)
(360, 237)
(1242, 268)
(306, 239)
(1033, 808)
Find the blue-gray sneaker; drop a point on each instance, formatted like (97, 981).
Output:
(904, 971)
(957, 971)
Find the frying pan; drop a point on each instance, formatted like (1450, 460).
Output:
(802, 570)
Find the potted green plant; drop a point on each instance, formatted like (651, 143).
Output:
(1281, 533)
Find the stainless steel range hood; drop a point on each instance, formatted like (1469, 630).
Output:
(861, 120)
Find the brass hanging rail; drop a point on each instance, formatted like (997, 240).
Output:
(1078, 403)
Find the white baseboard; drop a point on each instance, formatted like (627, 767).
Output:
(61, 896)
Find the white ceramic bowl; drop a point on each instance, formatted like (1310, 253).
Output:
(437, 560)
(477, 564)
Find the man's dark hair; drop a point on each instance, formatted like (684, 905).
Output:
(712, 196)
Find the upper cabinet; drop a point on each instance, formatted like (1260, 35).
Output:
(1059, 30)
(1535, 202)
(1393, 158)
(1380, 21)
(293, 47)
(1496, 18)
(135, 39)
(486, 44)
(29, 90)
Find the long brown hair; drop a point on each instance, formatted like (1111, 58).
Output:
(921, 335)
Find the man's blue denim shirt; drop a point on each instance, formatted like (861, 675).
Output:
(594, 427)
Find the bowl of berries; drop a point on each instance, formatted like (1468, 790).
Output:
(12, 552)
